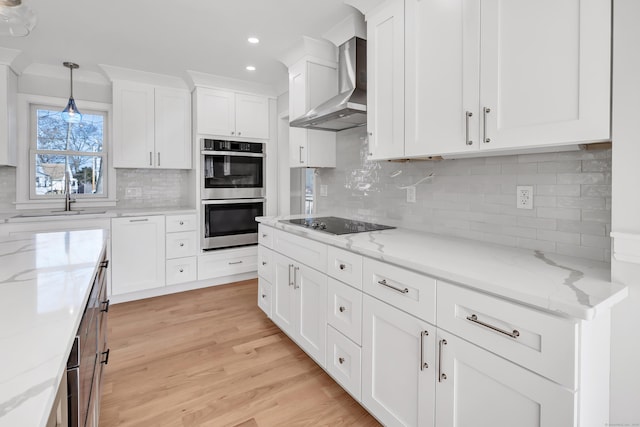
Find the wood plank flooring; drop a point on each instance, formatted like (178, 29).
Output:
(210, 357)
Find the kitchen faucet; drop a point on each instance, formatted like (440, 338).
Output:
(67, 191)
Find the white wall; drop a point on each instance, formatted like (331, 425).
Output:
(625, 340)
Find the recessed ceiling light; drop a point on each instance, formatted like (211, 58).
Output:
(251, 68)
(253, 40)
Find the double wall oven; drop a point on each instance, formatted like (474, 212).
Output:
(232, 192)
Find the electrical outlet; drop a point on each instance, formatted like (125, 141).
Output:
(133, 193)
(411, 194)
(524, 197)
(324, 191)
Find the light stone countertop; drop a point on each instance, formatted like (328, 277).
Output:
(572, 287)
(91, 213)
(45, 281)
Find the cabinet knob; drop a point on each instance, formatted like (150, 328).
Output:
(181, 244)
(264, 235)
(341, 360)
(181, 270)
(264, 295)
(342, 266)
(342, 309)
(239, 133)
(370, 133)
(181, 222)
(233, 133)
(264, 262)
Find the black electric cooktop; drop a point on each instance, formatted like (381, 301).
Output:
(335, 225)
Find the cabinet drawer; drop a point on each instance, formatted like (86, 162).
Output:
(265, 235)
(181, 270)
(404, 289)
(180, 245)
(181, 223)
(344, 306)
(265, 263)
(301, 249)
(343, 362)
(227, 263)
(345, 266)
(264, 296)
(543, 343)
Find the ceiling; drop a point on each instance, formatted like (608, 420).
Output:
(164, 37)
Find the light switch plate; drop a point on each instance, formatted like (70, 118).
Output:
(133, 193)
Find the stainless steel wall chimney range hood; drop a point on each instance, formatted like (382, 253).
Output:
(348, 109)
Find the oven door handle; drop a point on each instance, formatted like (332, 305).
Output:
(231, 201)
(231, 153)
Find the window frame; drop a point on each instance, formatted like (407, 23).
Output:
(33, 151)
(24, 169)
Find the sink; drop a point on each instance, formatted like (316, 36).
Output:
(57, 213)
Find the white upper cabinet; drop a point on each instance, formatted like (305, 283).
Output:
(8, 125)
(172, 128)
(544, 72)
(385, 76)
(311, 82)
(442, 100)
(152, 126)
(229, 114)
(491, 75)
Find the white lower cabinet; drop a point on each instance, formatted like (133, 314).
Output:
(478, 388)
(344, 361)
(398, 368)
(299, 305)
(137, 254)
(181, 270)
(264, 296)
(419, 352)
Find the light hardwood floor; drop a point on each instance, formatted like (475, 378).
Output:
(210, 357)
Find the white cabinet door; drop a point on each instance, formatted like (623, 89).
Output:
(545, 72)
(8, 116)
(137, 254)
(283, 294)
(173, 128)
(216, 112)
(311, 311)
(252, 116)
(133, 125)
(385, 73)
(398, 368)
(478, 388)
(442, 81)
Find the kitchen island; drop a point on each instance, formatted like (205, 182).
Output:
(45, 282)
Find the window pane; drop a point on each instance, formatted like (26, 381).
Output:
(53, 133)
(86, 173)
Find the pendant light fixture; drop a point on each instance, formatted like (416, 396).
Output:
(71, 114)
(16, 19)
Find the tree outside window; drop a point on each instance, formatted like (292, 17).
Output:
(73, 151)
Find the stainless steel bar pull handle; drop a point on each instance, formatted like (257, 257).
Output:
(235, 262)
(484, 125)
(423, 364)
(467, 116)
(158, 158)
(295, 277)
(139, 220)
(290, 267)
(441, 375)
(514, 334)
(150, 158)
(300, 154)
(383, 282)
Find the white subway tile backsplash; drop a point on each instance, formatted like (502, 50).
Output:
(476, 198)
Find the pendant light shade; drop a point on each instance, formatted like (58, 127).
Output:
(71, 114)
(16, 19)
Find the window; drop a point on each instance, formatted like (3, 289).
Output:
(70, 154)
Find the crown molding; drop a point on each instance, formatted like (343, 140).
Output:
(200, 79)
(118, 73)
(308, 47)
(61, 73)
(364, 6)
(8, 56)
(351, 26)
